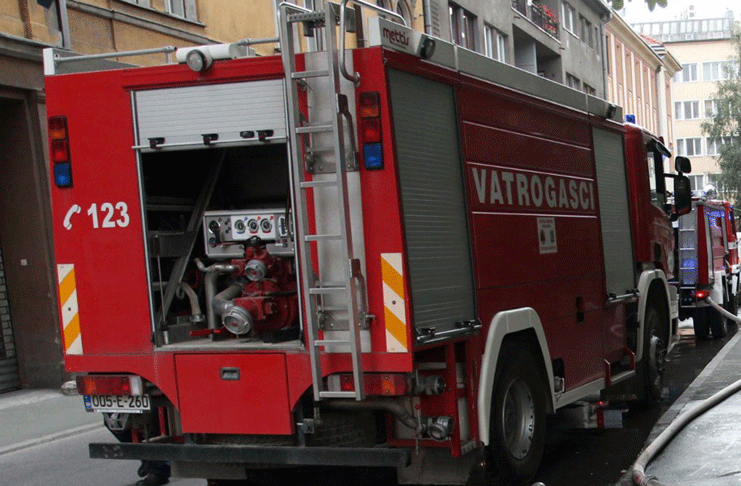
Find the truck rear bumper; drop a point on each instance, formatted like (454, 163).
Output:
(254, 455)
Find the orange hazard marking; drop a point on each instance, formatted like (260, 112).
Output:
(67, 287)
(394, 326)
(392, 278)
(71, 332)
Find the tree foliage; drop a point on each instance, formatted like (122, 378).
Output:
(618, 4)
(725, 126)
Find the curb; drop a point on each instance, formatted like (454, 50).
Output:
(688, 395)
(680, 403)
(49, 438)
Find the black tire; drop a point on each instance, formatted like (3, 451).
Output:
(700, 322)
(731, 305)
(653, 362)
(518, 418)
(718, 323)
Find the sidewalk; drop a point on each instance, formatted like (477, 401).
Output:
(705, 452)
(31, 417)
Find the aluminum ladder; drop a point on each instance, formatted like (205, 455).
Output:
(301, 133)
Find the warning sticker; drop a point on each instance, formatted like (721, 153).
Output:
(547, 235)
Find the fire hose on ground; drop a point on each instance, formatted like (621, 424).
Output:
(639, 475)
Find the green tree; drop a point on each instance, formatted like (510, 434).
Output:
(618, 4)
(725, 126)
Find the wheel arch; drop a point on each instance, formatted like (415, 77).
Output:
(652, 285)
(523, 323)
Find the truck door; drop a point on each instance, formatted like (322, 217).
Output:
(433, 202)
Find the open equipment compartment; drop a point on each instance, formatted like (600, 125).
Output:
(218, 231)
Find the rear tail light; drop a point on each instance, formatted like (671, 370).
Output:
(369, 107)
(376, 384)
(60, 154)
(701, 294)
(125, 385)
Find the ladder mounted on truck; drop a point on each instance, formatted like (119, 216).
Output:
(304, 134)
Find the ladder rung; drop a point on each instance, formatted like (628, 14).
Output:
(314, 128)
(306, 17)
(326, 290)
(322, 237)
(322, 183)
(331, 309)
(337, 394)
(309, 74)
(327, 342)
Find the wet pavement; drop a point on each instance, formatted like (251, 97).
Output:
(602, 457)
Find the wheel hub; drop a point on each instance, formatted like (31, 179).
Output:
(518, 419)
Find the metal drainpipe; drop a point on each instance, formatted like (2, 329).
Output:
(427, 12)
(64, 24)
(605, 19)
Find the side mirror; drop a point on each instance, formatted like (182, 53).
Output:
(682, 164)
(682, 195)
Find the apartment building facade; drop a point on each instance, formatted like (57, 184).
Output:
(639, 74)
(704, 49)
(557, 39)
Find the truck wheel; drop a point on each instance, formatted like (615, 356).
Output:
(518, 417)
(700, 322)
(654, 356)
(718, 323)
(731, 305)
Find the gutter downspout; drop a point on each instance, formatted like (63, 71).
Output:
(427, 12)
(64, 24)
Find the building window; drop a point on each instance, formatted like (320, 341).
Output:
(403, 9)
(717, 70)
(586, 31)
(572, 81)
(689, 147)
(462, 26)
(713, 146)
(143, 3)
(686, 110)
(711, 108)
(182, 8)
(688, 74)
(494, 44)
(589, 90)
(568, 14)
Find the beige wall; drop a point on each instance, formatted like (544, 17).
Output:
(697, 52)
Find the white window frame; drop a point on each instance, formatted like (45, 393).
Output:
(717, 70)
(687, 110)
(494, 44)
(184, 9)
(568, 14)
(489, 41)
(683, 144)
(685, 75)
(501, 47)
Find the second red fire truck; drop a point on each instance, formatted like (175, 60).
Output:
(709, 266)
(404, 255)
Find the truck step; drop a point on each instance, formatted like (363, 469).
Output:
(318, 128)
(309, 74)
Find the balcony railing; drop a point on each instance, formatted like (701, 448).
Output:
(539, 14)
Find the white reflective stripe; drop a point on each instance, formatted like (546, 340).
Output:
(63, 269)
(394, 303)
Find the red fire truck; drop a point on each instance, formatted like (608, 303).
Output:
(404, 255)
(709, 266)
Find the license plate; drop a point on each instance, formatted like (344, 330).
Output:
(117, 403)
